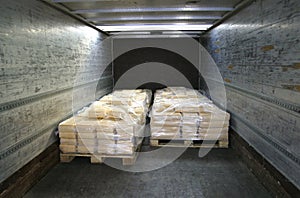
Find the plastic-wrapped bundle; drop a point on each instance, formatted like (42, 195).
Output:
(135, 113)
(112, 125)
(94, 137)
(190, 123)
(123, 105)
(167, 125)
(181, 113)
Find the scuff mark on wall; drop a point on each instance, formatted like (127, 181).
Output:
(267, 48)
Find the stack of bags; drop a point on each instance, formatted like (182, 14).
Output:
(181, 113)
(114, 125)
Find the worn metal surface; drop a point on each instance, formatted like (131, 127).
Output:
(41, 52)
(257, 52)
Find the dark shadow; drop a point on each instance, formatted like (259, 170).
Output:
(130, 59)
(153, 86)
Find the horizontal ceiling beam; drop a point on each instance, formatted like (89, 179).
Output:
(182, 32)
(154, 18)
(157, 9)
(153, 27)
(83, 1)
(131, 33)
(154, 36)
(114, 23)
(160, 32)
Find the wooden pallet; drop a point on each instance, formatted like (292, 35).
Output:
(188, 143)
(99, 158)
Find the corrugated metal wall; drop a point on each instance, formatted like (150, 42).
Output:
(258, 54)
(41, 52)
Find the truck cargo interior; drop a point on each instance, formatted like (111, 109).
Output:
(149, 98)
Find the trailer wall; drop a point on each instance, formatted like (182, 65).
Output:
(46, 58)
(257, 52)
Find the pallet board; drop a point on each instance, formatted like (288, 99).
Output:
(99, 158)
(189, 143)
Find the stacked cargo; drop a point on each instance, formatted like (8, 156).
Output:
(114, 125)
(184, 114)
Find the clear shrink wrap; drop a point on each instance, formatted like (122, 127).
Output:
(182, 113)
(113, 125)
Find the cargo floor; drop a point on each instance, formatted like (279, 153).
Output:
(219, 174)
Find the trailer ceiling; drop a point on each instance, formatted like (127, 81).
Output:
(151, 15)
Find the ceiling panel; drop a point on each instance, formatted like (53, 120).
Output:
(151, 12)
(155, 14)
(161, 18)
(111, 4)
